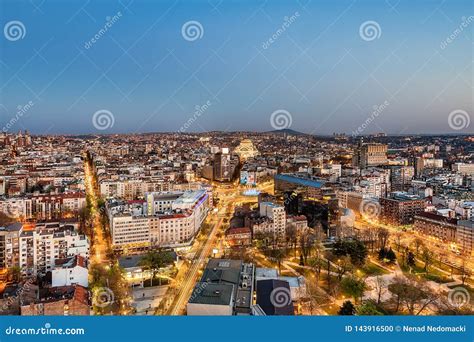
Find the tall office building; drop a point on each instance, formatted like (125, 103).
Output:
(224, 165)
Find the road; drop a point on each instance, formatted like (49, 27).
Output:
(117, 299)
(99, 241)
(230, 196)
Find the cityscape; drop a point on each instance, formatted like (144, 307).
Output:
(215, 158)
(275, 223)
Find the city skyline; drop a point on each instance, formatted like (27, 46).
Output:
(320, 68)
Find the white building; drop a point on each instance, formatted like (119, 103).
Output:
(277, 214)
(463, 168)
(73, 271)
(164, 219)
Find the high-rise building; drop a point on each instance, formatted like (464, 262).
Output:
(370, 154)
(401, 177)
(224, 165)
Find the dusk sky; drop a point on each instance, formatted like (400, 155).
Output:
(321, 66)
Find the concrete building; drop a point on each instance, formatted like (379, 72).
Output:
(70, 271)
(59, 301)
(371, 154)
(277, 214)
(435, 225)
(226, 288)
(463, 168)
(401, 208)
(163, 220)
(465, 237)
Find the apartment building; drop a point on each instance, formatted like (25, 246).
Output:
(35, 249)
(163, 219)
(401, 208)
(436, 225)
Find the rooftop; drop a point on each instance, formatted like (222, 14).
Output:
(300, 180)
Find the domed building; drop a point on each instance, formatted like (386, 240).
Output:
(246, 149)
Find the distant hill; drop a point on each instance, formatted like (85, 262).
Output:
(286, 131)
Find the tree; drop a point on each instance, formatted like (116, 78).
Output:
(292, 237)
(383, 235)
(410, 260)
(344, 266)
(14, 274)
(427, 257)
(412, 294)
(398, 240)
(154, 260)
(278, 254)
(418, 243)
(380, 287)
(368, 308)
(390, 255)
(354, 287)
(464, 272)
(306, 244)
(347, 309)
(354, 248)
(316, 263)
(312, 296)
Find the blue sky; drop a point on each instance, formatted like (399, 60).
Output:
(319, 69)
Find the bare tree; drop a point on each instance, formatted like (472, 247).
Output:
(380, 287)
(418, 243)
(306, 244)
(292, 237)
(464, 272)
(398, 240)
(382, 235)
